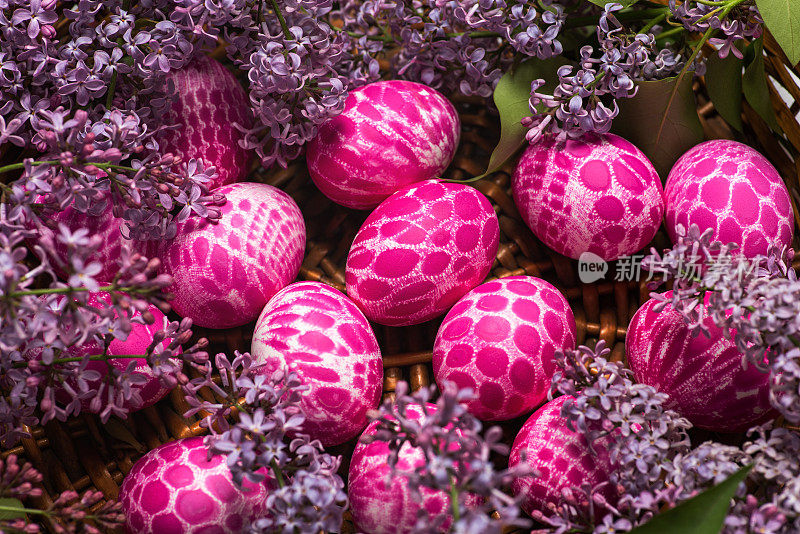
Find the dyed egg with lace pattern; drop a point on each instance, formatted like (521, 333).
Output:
(596, 194)
(104, 228)
(143, 394)
(225, 272)
(209, 101)
(500, 340)
(317, 332)
(420, 251)
(561, 457)
(379, 506)
(390, 134)
(176, 489)
(703, 376)
(731, 188)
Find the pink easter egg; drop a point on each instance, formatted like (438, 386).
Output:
(732, 189)
(420, 251)
(209, 101)
(225, 272)
(320, 334)
(500, 340)
(380, 506)
(391, 134)
(560, 456)
(703, 376)
(176, 489)
(599, 194)
(105, 225)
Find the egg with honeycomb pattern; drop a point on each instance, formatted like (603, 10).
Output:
(225, 272)
(561, 457)
(390, 134)
(379, 506)
(500, 340)
(176, 489)
(703, 376)
(597, 194)
(208, 101)
(420, 251)
(733, 190)
(104, 227)
(317, 332)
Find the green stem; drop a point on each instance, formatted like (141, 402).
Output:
(282, 20)
(649, 26)
(67, 290)
(622, 16)
(475, 35)
(669, 33)
(93, 358)
(21, 165)
(278, 474)
(23, 510)
(454, 500)
(111, 90)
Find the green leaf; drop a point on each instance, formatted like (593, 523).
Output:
(11, 514)
(602, 3)
(754, 84)
(782, 17)
(724, 84)
(661, 120)
(702, 514)
(511, 98)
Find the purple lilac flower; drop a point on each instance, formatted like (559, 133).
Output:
(604, 74)
(756, 303)
(457, 456)
(744, 22)
(263, 440)
(69, 512)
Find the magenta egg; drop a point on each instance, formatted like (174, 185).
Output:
(209, 103)
(176, 489)
(500, 340)
(703, 376)
(560, 456)
(388, 507)
(106, 226)
(420, 251)
(732, 189)
(317, 332)
(225, 272)
(599, 194)
(391, 134)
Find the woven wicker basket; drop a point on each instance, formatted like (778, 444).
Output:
(84, 454)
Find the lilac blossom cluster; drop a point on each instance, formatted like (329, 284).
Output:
(45, 306)
(256, 424)
(642, 438)
(462, 45)
(585, 99)
(654, 464)
(735, 21)
(40, 324)
(756, 302)
(299, 68)
(457, 458)
(68, 513)
(96, 92)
